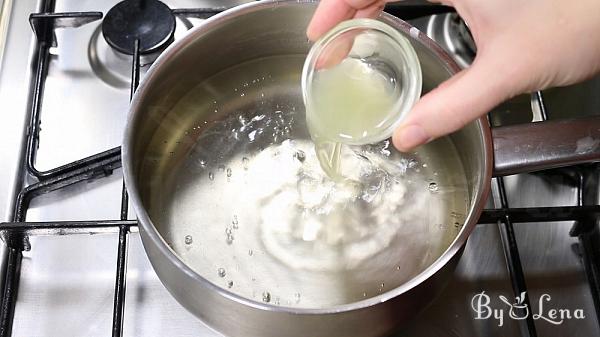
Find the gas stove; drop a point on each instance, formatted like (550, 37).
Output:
(73, 263)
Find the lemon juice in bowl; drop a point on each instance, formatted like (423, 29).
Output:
(359, 81)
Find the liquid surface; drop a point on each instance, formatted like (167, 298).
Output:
(349, 102)
(246, 204)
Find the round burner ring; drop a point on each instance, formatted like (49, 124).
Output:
(150, 21)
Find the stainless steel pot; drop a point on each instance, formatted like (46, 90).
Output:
(160, 134)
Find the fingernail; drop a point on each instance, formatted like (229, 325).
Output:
(411, 136)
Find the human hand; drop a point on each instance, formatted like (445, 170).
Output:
(522, 46)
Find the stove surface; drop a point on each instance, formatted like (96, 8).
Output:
(67, 281)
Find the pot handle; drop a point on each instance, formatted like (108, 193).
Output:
(544, 145)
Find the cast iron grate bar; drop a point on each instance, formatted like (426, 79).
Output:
(513, 261)
(43, 25)
(120, 282)
(587, 232)
(93, 170)
(64, 227)
(199, 13)
(541, 214)
(511, 249)
(9, 294)
(121, 275)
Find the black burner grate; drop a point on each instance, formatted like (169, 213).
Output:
(15, 233)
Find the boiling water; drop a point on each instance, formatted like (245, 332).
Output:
(247, 205)
(348, 102)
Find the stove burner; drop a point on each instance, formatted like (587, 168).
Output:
(150, 21)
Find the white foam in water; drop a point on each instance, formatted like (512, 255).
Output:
(310, 222)
(330, 242)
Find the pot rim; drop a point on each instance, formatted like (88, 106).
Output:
(146, 224)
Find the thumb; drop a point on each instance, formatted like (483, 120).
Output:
(461, 99)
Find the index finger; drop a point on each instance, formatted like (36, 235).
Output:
(328, 15)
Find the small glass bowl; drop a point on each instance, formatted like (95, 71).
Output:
(382, 48)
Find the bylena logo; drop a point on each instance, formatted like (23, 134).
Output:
(519, 310)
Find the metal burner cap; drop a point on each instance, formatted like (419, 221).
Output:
(150, 21)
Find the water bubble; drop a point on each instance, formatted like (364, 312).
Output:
(229, 239)
(398, 268)
(211, 176)
(229, 172)
(242, 94)
(297, 297)
(245, 162)
(277, 301)
(234, 222)
(425, 165)
(259, 118)
(433, 187)
(252, 135)
(228, 231)
(222, 168)
(457, 225)
(266, 297)
(300, 156)
(456, 215)
(229, 284)
(221, 272)
(250, 252)
(262, 94)
(381, 286)
(188, 240)
(365, 294)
